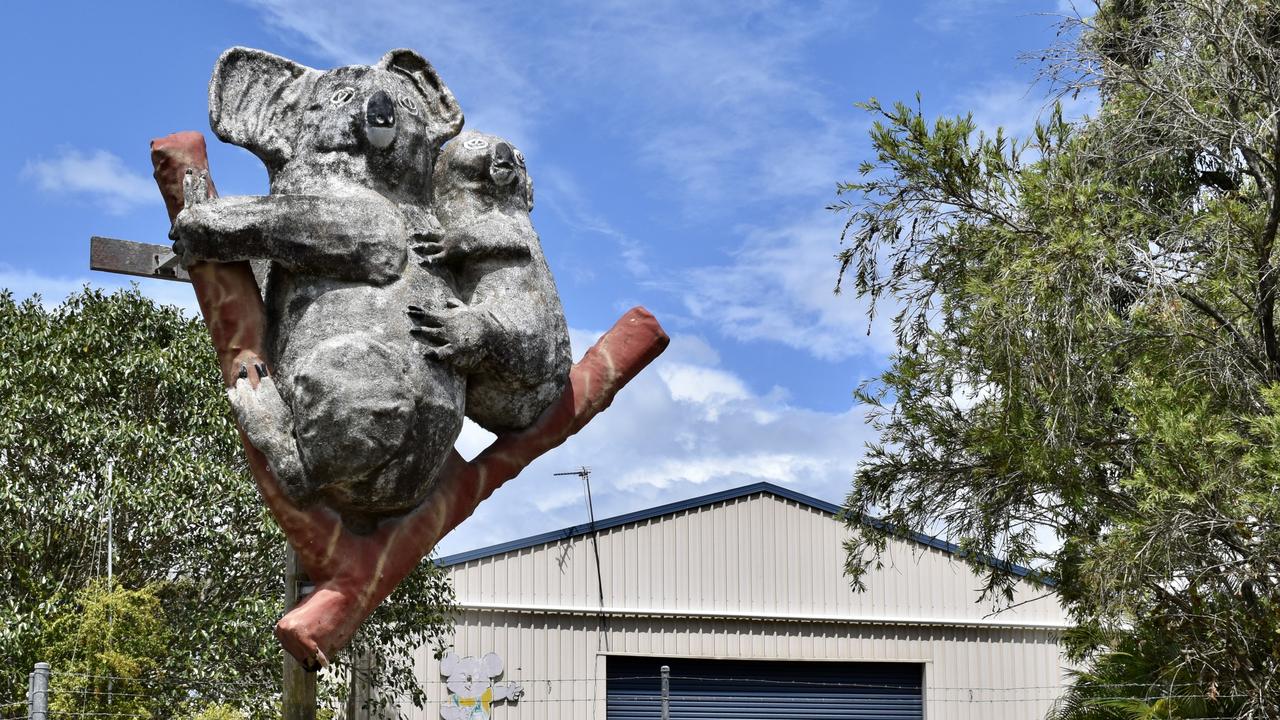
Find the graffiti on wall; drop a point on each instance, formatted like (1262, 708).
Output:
(472, 686)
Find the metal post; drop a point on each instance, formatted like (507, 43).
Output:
(666, 692)
(39, 708)
(110, 518)
(299, 699)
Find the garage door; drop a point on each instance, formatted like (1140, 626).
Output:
(764, 690)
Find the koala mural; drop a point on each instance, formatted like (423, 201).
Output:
(358, 414)
(510, 336)
(472, 690)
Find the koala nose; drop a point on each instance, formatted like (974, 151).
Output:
(380, 119)
(502, 165)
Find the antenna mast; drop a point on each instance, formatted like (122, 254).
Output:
(584, 472)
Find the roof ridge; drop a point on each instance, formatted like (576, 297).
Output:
(702, 501)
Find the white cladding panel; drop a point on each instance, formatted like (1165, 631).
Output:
(757, 555)
(758, 577)
(969, 673)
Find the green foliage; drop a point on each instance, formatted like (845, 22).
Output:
(118, 380)
(1087, 379)
(218, 712)
(105, 650)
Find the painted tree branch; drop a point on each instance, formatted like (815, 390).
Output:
(355, 573)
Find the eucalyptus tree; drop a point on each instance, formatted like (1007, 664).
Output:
(112, 415)
(1086, 378)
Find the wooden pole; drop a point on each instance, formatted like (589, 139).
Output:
(299, 699)
(157, 261)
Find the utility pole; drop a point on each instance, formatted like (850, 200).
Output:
(110, 535)
(299, 699)
(125, 257)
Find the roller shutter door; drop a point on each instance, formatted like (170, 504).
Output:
(764, 690)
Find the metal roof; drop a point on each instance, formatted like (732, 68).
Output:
(710, 499)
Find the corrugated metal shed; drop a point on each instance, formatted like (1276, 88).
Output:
(748, 574)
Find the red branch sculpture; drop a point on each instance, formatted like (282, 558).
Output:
(355, 573)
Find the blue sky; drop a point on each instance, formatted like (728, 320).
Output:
(682, 154)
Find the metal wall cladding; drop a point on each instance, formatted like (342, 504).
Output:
(760, 578)
(760, 555)
(761, 690)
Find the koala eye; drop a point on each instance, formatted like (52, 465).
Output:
(519, 158)
(408, 104)
(476, 144)
(342, 95)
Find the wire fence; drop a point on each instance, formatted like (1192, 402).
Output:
(684, 689)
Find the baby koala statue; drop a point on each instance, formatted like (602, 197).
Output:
(508, 335)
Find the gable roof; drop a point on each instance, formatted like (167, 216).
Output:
(710, 499)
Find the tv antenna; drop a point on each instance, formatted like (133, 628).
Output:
(584, 472)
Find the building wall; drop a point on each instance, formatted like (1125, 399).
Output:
(759, 577)
(560, 660)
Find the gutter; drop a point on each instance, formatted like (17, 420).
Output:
(749, 616)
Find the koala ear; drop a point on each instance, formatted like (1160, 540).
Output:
(449, 663)
(256, 101)
(491, 665)
(442, 108)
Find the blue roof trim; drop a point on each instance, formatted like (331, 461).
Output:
(716, 497)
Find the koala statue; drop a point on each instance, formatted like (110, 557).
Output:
(472, 690)
(354, 415)
(509, 334)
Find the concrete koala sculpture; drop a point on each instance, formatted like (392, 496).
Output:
(354, 415)
(509, 334)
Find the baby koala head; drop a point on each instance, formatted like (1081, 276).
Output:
(379, 125)
(479, 168)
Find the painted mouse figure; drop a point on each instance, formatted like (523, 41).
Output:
(510, 336)
(354, 415)
(472, 686)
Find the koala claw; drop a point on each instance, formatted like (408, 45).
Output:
(195, 186)
(431, 252)
(195, 191)
(452, 333)
(268, 422)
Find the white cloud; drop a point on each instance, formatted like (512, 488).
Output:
(661, 441)
(476, 51)
(779, 286)
(1017, 105)
(709, 390)
(98, 175)
(775, 467)
(567, 200)
(715, 97)
(53, 289)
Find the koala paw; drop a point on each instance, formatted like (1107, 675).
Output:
(452, 334)
(188, 231)
(438, 248)
(195, 187)
(268, 422)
